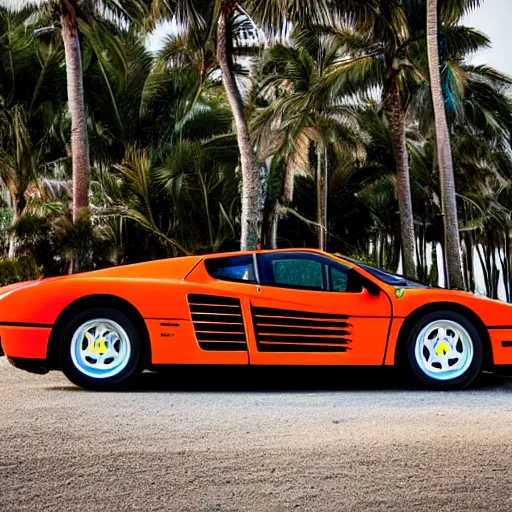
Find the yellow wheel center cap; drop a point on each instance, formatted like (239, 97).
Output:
(100, 346)
(442, 348)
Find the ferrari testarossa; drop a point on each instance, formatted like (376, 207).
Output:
(282, 307)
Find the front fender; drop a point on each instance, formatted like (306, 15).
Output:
(491, 312)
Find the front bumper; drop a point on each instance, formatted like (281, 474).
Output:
(25, 341)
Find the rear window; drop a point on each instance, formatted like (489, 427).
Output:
(234, 268)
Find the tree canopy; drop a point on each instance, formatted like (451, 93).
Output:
(336, 98)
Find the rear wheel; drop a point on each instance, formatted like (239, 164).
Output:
(444, 350)
(101, 349)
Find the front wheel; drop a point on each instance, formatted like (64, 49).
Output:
(100, 349)
(444, 350)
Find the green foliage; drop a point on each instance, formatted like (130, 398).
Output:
(165, 161)
(15, 270)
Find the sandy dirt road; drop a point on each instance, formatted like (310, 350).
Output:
(263, 441)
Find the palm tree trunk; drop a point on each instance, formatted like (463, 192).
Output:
(467, 244)
(454, 276)
(273, 222)
(287, 186)
(483, 264)
(79, 139)
(397, 243)
(503, 272)
(321, 196)
(380, 238)
(16, 209)
(434, 274)
(508, 241)
(204, 188)
(253, 175)
(403, 184)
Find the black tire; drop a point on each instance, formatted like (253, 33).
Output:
(458, 381)
(132, 365)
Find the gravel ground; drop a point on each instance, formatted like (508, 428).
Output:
(269, 440)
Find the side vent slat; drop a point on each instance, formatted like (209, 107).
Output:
(218, 327)
(213, 300)
(225, 319)
(305, 322)
(287, 347)
(282, 330)
(289, 313)
(218, 310)
(218, 322)
(302, 331)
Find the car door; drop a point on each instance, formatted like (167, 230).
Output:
(308, 309)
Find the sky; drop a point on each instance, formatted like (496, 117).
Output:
(493, 19)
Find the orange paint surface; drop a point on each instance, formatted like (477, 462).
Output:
(28, 342)
(501, 354)
(396, 325)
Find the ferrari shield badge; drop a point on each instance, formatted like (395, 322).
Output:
(399, 293)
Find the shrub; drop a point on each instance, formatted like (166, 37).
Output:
(15, 270)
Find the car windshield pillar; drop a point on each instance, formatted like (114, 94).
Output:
(256, 268)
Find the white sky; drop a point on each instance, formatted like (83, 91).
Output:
(155, 39)
(493, 19)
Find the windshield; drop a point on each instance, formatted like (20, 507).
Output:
(386, 277)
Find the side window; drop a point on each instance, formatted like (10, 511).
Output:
(344, 279)
(292, 271)
(306, 272)
(339, 279)
(234, 268)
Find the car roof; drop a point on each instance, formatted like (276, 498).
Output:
(266, 251)
(303, 250)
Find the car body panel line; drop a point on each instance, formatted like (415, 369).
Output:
(199, 261)
(25, 324)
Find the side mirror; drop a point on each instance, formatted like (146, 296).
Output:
(366, 283)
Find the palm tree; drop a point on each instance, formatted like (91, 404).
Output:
(253, 179)
(374, 37)
(463, 100)
(302, 117)
(378, 172)
(68, 15)
(382, 40)
(454, 277)
(79, 140)
(31, 111)
(220, 16)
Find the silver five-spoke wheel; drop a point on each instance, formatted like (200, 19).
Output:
(100, 348)
(444, 350)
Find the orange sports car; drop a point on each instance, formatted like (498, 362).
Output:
(283, 307)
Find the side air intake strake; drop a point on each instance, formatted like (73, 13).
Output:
(218, 322)
(284, 330)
